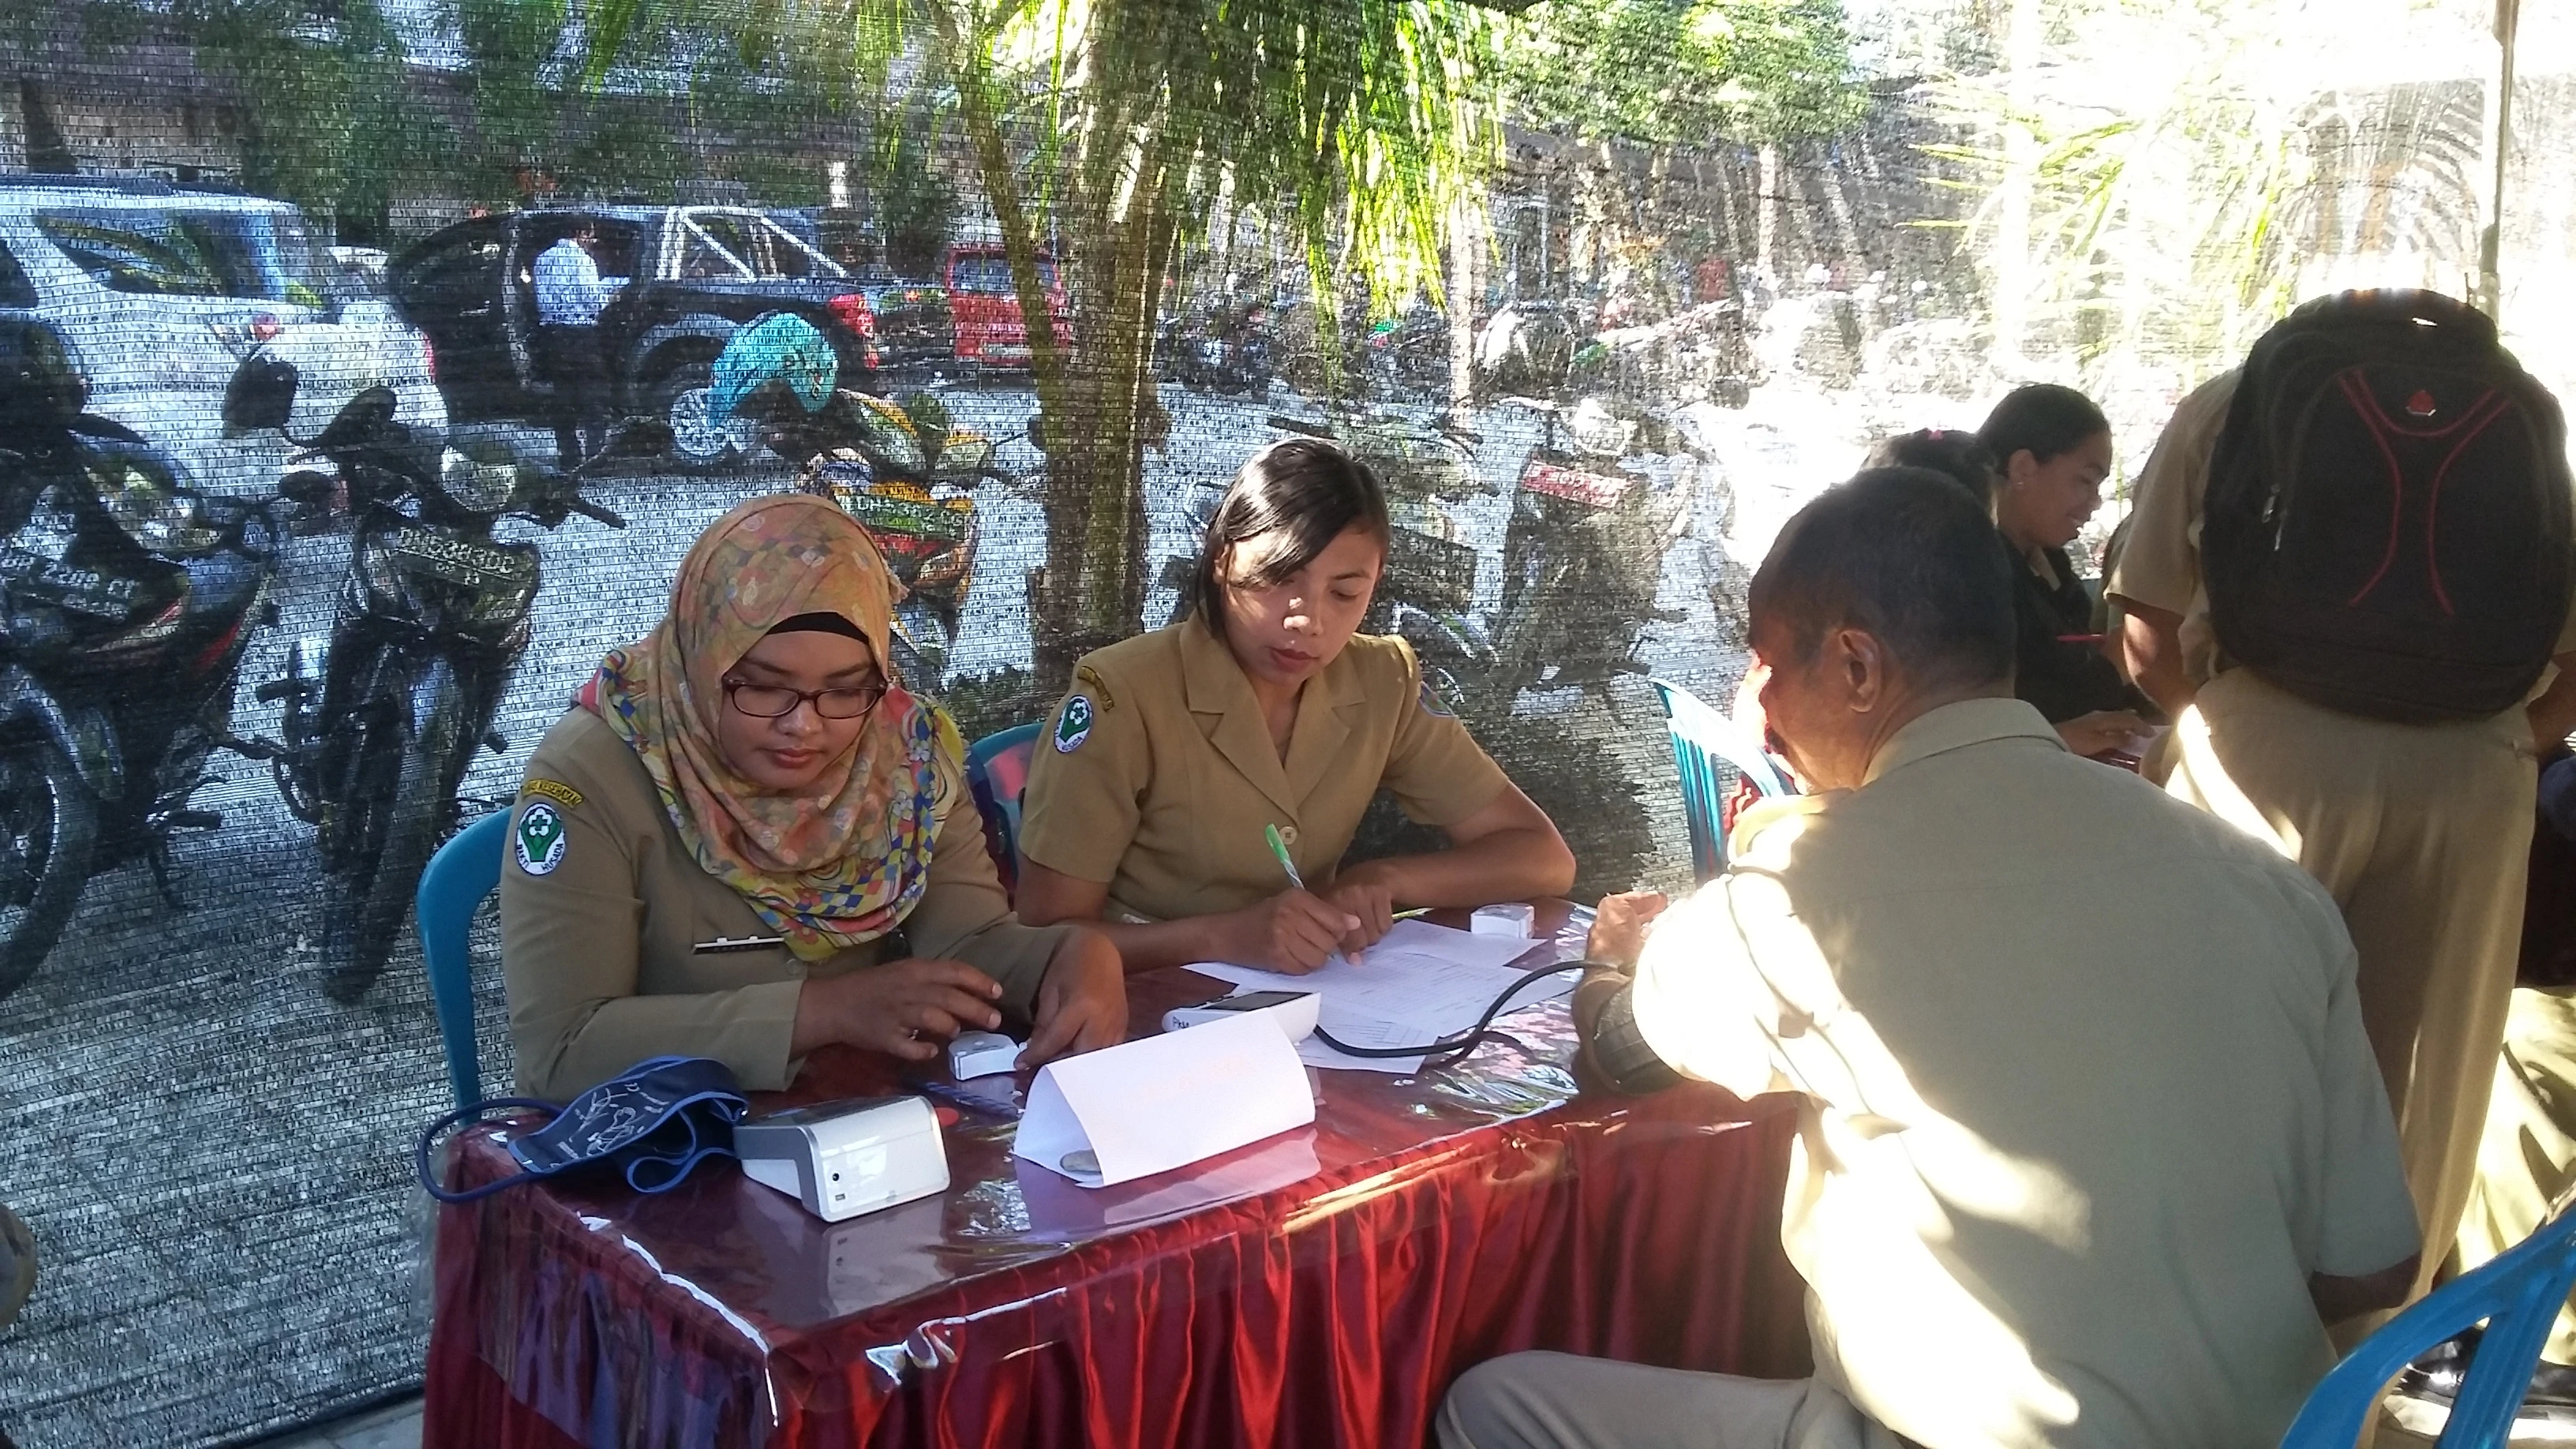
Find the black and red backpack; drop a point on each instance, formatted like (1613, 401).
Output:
(2386, 530)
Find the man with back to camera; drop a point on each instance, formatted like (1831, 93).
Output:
(570, 296)
(2092, 1147)
(2323, 693)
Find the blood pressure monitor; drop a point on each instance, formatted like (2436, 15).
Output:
(1294, 1012)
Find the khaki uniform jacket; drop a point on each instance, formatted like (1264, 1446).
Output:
(2079, 1124)
(1156, 773)
(597, 947)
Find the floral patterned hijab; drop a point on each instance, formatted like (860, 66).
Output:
(846, 861)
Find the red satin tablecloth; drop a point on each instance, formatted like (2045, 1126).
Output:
(1318, 1288)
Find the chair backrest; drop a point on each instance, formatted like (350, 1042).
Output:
(1704, 740)
(997, 770)
(465, 870)
(2518, 1295)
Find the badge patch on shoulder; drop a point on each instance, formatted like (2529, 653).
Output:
(539, 840)
(1073, 725)
(1432, 704)
(555, 790)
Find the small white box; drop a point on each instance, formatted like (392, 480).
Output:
(849, 1157)
(1514, 919)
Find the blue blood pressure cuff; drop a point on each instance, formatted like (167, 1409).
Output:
(654, 1122)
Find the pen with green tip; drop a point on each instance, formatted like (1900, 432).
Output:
(1279, 849)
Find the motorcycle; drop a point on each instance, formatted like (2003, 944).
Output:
(909, 479)
(126, 600)
(1227, 350)
(431, 621)
(1583, 554)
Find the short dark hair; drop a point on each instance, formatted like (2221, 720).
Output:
(1948, 451)
(1906, 556)
(1308, 487)
(2043, 417)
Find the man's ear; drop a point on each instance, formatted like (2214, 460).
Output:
(1862, 662)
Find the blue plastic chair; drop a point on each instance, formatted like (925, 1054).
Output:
(1704, 740)
(465, 870)
(997, 771)
(2518, 1295)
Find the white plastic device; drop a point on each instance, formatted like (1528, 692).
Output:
(845, 1158)
(1294, 1012)
(980, 1054)
(1511, 919)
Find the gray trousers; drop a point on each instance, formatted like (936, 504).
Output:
(1559, 1401)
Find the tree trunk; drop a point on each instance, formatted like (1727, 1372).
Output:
(1766, 202)
(2012, 251)
(1097, 407)
(1466, 239)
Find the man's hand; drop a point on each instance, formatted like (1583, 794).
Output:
(2105, 730)
(1366, 893)
(902, 1008)
(1082, 1002)
(1291, 932)
(1620, 924)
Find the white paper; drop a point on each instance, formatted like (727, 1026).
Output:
(1165, 1101)
(1417, 985)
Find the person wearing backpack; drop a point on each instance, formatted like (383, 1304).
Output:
(2348, 581)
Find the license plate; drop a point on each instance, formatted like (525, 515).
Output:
(1009, 356)
(460, 560)
(905, 517)
(83, 591)
(1592, 490)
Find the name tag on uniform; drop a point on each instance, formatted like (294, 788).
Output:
(732, 945)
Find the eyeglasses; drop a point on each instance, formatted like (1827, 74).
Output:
(773, 701)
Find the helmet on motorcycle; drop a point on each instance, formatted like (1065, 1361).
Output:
(777, 348)
(40, 391)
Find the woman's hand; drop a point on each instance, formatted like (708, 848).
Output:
(2106, 730)
(902, 1008)
(1619, 926)
(1291, 932)
(1082, 1002)
(1365, 893)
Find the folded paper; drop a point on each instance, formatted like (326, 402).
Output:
(1164, 1101)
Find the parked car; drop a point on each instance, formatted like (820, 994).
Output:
(160, 291)
(697, 273)
(990, 328)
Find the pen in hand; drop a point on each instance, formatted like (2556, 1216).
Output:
(1279, 852)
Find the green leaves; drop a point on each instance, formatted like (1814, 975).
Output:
(1683, 72)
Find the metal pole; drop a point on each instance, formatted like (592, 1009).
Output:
(2508, 24)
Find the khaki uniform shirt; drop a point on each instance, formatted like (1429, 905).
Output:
(2159, 561)
(1157, 773)
(598, 948)
(2079, 1124)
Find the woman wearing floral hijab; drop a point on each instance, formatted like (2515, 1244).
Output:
(745, 841)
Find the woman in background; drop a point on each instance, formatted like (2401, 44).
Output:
(2039, 463)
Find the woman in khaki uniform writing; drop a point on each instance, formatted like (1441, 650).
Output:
(745, 841)
(1150, 792)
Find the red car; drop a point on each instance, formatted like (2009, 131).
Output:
(986, 307)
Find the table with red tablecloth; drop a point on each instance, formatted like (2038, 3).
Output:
(1318, 1288)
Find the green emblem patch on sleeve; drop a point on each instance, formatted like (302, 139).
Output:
(538, 842)
(1073, 724)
